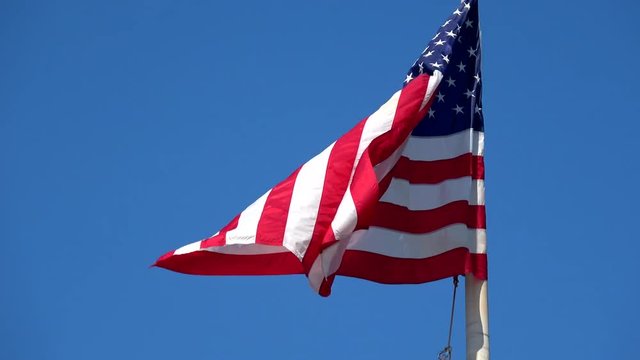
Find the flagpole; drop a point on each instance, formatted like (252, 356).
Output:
(477, 318)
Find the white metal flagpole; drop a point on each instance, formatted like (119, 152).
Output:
(477, 318)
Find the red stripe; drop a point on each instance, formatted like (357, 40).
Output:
(389, 270)
(477, 167)
(164, 257)
(433, 172)
(364, 187)
(220, 239)
(359, 264)
(406, 118)
(273, 220)
(211, 263)
(336, 181)
(167, 259)
(392, 216)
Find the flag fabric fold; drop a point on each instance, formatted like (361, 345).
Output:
(397, 199)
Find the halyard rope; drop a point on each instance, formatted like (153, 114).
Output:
(445, 354)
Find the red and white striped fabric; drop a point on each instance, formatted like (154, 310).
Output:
(398, 199)
(377, 204)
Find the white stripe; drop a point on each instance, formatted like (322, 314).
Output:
(326, 264)
(434, 81)
(377, 124)
(430, 148)
(431, 196)
(316, 274)
(305, 201)
(247, 249)
(188, 248)
(245, 232)
(346, 217)
(418, 246)
(477, 193)
(383, 168)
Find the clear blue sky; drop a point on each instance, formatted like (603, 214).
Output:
(130, 128)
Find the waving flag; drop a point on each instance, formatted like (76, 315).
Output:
(397, 199)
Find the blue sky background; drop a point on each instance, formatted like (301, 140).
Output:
(130, 128)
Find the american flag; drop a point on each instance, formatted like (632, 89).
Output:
(397, 199)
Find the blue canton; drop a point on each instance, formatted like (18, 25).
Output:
(455, 52)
